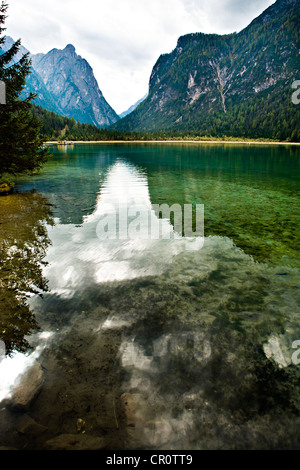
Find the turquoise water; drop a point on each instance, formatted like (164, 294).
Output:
(155, 343)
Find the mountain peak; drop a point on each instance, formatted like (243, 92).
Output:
(70, 48)
(240, 83)
(71, 82)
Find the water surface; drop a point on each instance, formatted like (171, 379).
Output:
(154, 343)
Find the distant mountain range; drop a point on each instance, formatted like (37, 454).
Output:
(133, 107)
(235, 84)
(65, 83)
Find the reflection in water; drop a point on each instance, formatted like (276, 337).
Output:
(70, 184)
(155, 346)
(23, 244)
(250, 195)
(119, 258)
(197, 357)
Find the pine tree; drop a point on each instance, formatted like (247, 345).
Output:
(21, 147)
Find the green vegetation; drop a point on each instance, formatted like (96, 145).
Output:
(251, 105)
(272, 116)
(21, 146)
(237, 85)
(23, 245)
(55, 127)
(60, 128)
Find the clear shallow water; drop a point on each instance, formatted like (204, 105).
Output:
(150, 343)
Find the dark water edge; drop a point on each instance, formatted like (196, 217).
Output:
(184, 350)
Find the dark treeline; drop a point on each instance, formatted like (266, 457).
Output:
(59, 128)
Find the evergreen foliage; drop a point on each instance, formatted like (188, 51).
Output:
(59, 128)
(21, 146)
(237, 85)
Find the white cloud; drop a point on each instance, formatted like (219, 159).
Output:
(122, 39)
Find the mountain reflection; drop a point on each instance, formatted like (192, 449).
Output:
(70, 181)
(156, 346)
(250, 193)
(78, 249)
(23, 244)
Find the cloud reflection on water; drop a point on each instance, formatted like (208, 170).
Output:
(78, 249)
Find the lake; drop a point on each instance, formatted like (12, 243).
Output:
(141, 342)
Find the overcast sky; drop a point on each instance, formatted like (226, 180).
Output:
(122, 39)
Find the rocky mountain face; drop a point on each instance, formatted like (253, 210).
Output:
(64, 82)
(34, 82)
(237, 84)
(71, 81)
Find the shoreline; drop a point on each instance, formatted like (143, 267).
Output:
(235, 142)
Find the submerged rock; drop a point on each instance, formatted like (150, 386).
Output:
(76, 442)
(141, 431)
(157, 433)
(29, 426)
(135, 408)
(28, 388)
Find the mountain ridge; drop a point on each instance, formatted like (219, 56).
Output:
(70, 80)
(227, 84)
(64, 83)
